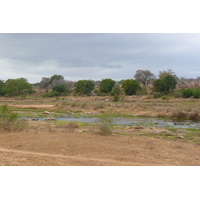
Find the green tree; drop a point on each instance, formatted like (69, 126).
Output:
(1, 86)
(130, 86)
(106, 85)
(163, 74)
(16, 87)
(165, 85)
(60, 89)
(84, 86)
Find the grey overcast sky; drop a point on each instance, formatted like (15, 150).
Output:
(97, 56)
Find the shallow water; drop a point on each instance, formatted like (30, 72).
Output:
(149, 122)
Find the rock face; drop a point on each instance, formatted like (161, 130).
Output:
(45, 113)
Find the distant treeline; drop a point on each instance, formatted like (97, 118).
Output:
(144, 82)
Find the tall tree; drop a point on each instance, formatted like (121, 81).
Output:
(144, 76)
(163, 74)
(165, 85)
(106, 85)
(130, 86)
(84, 86)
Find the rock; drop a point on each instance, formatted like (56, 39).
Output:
(46, 113)
(49, 119)
(180, 137)
(35, 119)
(138, 127)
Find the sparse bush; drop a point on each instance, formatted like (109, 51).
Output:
(105, 127)
(142, 91)
(194, 116)
(156, 95)
(52, 94)
(165, 97)
(177, 94)
(9, 121)
(116, 98)
(179, 115)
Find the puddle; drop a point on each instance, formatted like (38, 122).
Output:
(148, 122)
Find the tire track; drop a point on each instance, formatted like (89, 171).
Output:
(81, 158)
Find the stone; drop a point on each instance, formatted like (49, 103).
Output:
(46, 113)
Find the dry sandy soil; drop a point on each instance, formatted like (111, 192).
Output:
(45, 144)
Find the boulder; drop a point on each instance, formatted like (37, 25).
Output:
(45, 113)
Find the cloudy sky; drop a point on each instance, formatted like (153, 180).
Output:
(97, 56)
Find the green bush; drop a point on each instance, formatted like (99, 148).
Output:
(51, 94)
(188, 93)
(165, 97)
(177, 94)
(9, 121)
(142, 91)
(116, 97)
(156, 95)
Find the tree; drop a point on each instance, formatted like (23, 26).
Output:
(84, 86)
(50, 83)
(144, 76)
(106, 85)
(130, 86)
(165, 85)
(55, 77)
(60, 89)
(163, 74)
(44, 84)
(16, 86)
(1, 86)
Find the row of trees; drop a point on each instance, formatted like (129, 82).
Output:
(165, 84)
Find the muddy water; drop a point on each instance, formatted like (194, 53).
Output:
(149, 122)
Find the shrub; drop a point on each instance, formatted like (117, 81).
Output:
(105, 127)
(9, 121)
(116, 98)
(177, 94)
(165, 97)
(188, 93)
(51, 94)
(179, 115)
(156, 95)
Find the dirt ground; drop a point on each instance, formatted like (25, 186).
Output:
(44, 144)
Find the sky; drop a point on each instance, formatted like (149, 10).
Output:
(96, 56)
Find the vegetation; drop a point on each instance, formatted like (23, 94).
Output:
(60, 89)
(188, 93)
(130, 86)
(165, 85)
(9, 121)
(16, 87)
(106, 85)
(84, 87)
(144, 76)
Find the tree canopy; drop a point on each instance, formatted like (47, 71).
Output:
(106, 85)
(16, 87)
(130, 86)
(84, 86)
(165, 85)
(144, 76)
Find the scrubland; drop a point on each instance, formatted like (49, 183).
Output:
(69, 143)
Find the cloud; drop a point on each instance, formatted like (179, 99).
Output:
(96, 56)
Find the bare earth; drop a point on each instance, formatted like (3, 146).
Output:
(44, 145)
